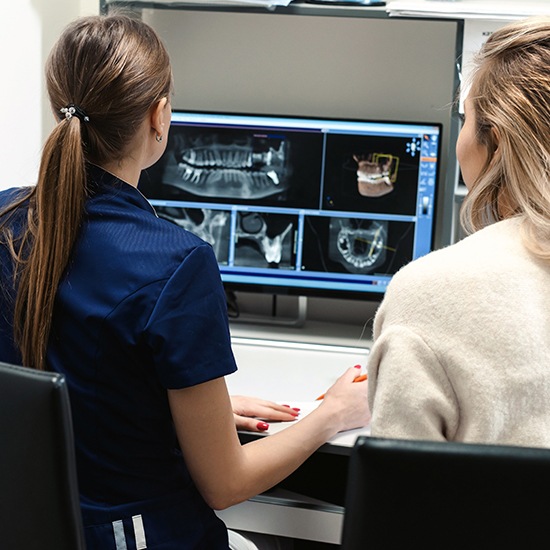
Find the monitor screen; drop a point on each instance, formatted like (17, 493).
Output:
(301, 205)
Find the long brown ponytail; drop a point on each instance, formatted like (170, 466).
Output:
(113, 68)
(54, 218)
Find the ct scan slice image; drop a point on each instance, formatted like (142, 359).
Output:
(213, 226)
(229, 164)
(358, 245)
(265, 240)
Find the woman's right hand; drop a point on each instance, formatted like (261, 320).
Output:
(348, 401)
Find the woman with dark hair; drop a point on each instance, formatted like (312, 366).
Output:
(130, 308)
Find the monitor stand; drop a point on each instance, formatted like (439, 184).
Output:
(273, 319)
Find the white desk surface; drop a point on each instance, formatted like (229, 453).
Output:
(294, 366)
(282, 370)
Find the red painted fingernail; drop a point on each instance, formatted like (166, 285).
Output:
(357, 366)
(286, 406)
(262, 426)
(295, 409)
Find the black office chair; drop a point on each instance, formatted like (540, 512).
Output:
(402, 494)
(39, 503)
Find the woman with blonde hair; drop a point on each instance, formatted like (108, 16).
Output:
(131, 309)
(462, 346)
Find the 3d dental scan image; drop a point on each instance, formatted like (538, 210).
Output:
(376, 174)
(372, 173)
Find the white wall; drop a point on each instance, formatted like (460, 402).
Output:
(29, 29)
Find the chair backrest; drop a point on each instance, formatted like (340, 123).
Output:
(446, 495)
(39, 502)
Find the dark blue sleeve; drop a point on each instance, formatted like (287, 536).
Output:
(188, 329)
(9, 353)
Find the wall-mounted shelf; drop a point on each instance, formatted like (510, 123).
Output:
(429, 9)
(503, 10)
(291, 9)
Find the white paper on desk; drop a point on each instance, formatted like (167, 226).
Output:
(462, 9)
(345, 439)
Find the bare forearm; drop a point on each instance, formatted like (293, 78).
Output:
(269, 460)
(226, 472)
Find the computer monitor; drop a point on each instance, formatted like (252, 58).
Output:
(301, 205)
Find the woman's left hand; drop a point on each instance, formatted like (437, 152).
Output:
(252, 414)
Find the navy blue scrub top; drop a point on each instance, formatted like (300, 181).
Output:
(140, 310)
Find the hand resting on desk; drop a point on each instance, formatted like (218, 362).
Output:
(248, 410)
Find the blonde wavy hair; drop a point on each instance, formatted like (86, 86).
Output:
(510, 95)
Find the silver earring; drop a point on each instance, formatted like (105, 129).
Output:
(158, 138)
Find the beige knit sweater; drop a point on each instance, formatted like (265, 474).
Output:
(462, 345)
